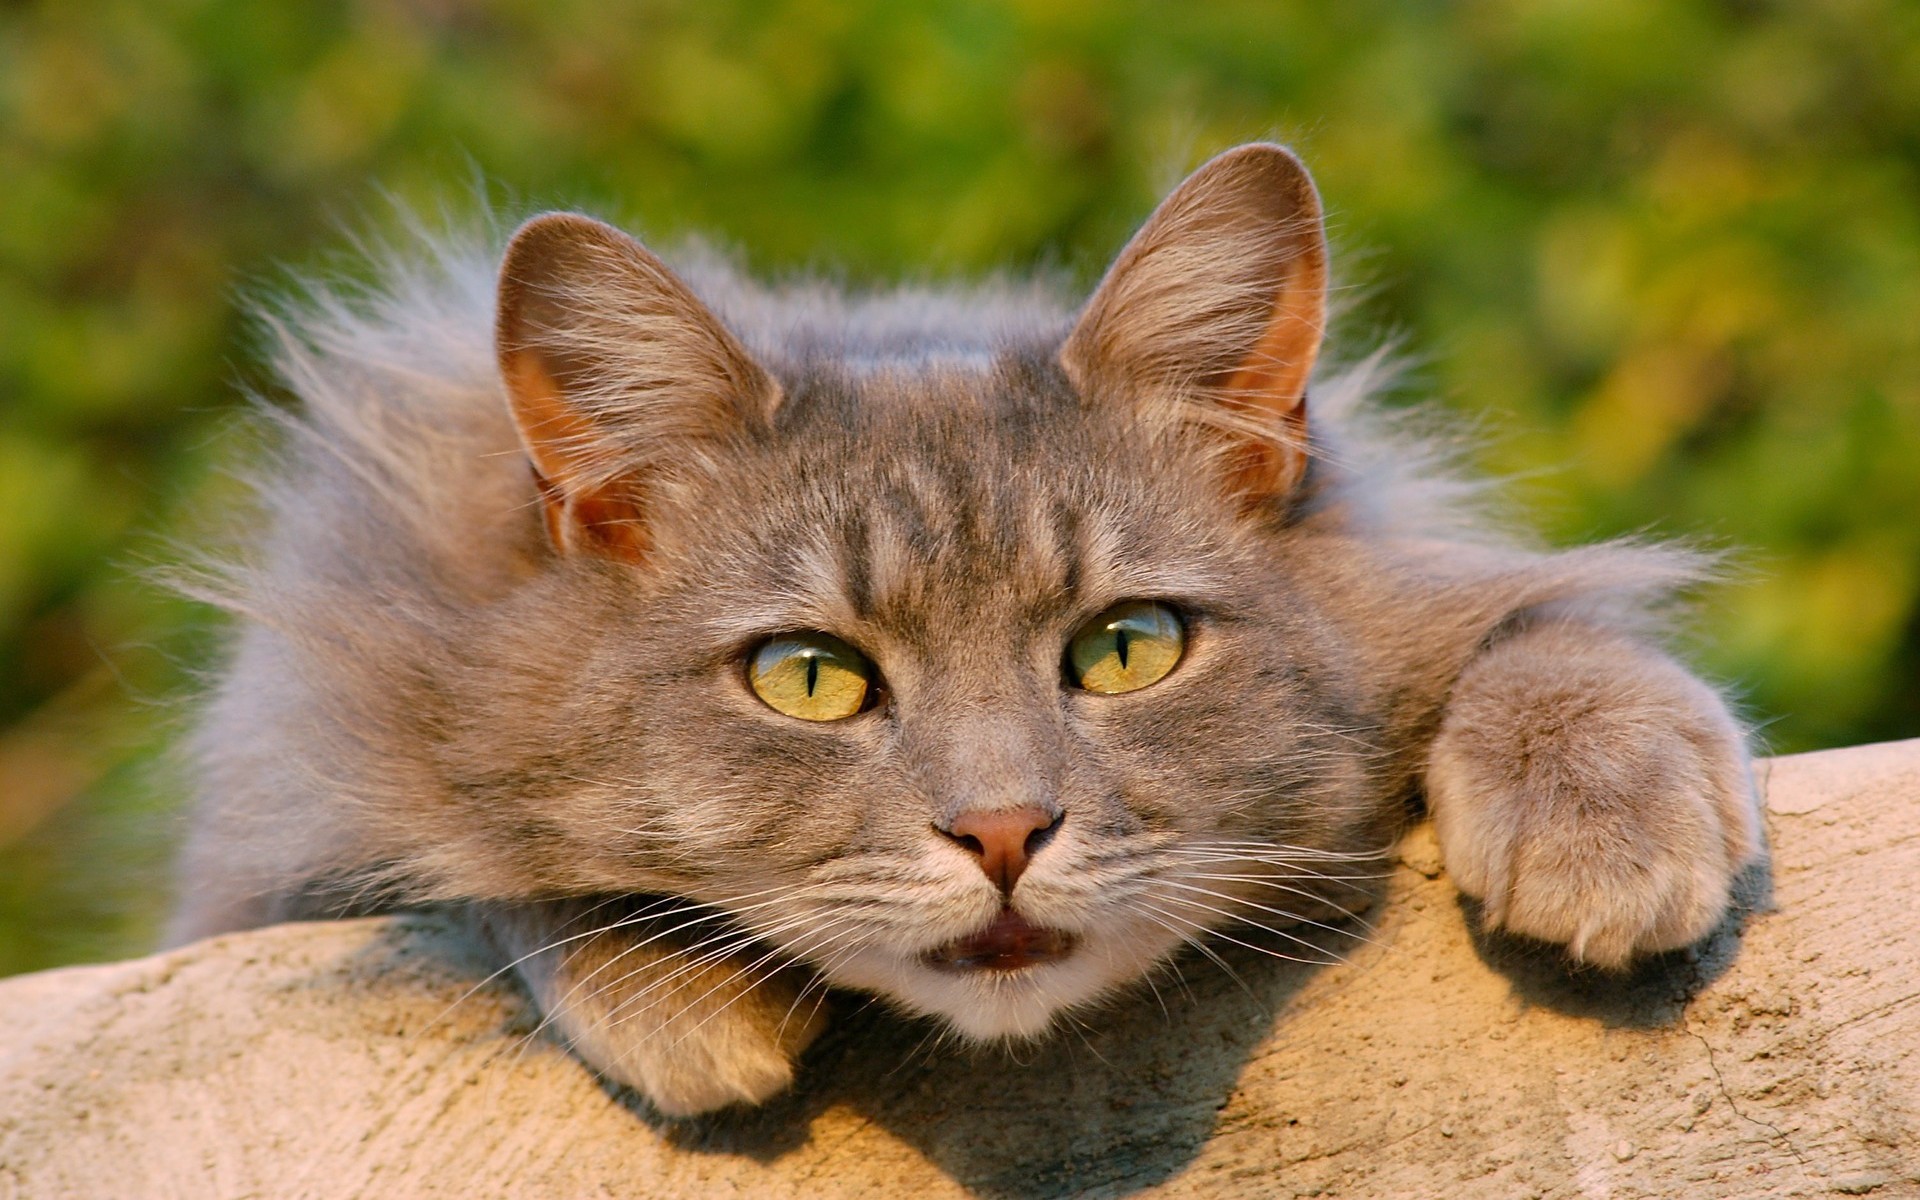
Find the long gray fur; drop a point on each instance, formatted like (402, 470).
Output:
(427, 701)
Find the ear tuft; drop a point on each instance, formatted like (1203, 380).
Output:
(615, 373)
(1218, 305)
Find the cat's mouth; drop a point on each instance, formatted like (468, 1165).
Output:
(1011, 943)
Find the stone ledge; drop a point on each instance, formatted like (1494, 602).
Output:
(356, 1058)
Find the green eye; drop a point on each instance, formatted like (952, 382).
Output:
(811, 676)
(1127, 647)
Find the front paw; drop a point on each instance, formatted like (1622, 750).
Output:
(690, 1054)
(1603, 808)
(690, 1029)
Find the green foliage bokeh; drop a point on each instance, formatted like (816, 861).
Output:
(1666, 251)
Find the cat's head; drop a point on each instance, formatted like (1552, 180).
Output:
(975, 672)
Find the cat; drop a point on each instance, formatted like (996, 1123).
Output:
(711, 643)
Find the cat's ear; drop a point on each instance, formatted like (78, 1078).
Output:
(615, 373)
(1218, 305)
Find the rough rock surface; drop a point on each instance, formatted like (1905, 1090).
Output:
(359, 1058)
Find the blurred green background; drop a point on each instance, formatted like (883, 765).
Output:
(1666, 251)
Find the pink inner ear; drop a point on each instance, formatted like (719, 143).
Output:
(614, 523)
(613, 368)
(1225, 286)
(580, 514)
(1270, 385)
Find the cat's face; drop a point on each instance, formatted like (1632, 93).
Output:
(847, 665)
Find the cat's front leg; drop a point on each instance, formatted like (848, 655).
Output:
(1591, 792)
(683, 1010)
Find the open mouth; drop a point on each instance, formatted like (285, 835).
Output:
(1011, 943)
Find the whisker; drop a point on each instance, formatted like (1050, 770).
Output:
(771, 955)
(1278, 912)
(684, 963)
(696, 964)
(543, 948)
(1310, 853)
(1327, 961)
(702, 914)
(1187, 938)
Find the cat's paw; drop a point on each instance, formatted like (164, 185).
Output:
(737, 1049)
(1593, 794)
(690, 1029)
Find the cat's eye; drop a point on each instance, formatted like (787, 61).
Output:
(812, 676)
(1127, 647)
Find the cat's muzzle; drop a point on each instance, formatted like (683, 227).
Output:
(1010, 943)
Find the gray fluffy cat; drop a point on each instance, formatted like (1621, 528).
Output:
(713, 643)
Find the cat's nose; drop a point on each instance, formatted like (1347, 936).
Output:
(1003, 839)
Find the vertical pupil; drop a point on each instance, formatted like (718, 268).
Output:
(1120, 645)
(813, 672)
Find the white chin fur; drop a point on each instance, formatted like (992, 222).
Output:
(1002, 1005)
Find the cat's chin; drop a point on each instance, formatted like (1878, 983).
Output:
(1003, 984)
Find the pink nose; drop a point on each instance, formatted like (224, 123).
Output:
(1003, 839)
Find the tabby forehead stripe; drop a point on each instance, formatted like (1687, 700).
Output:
(915, 534)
